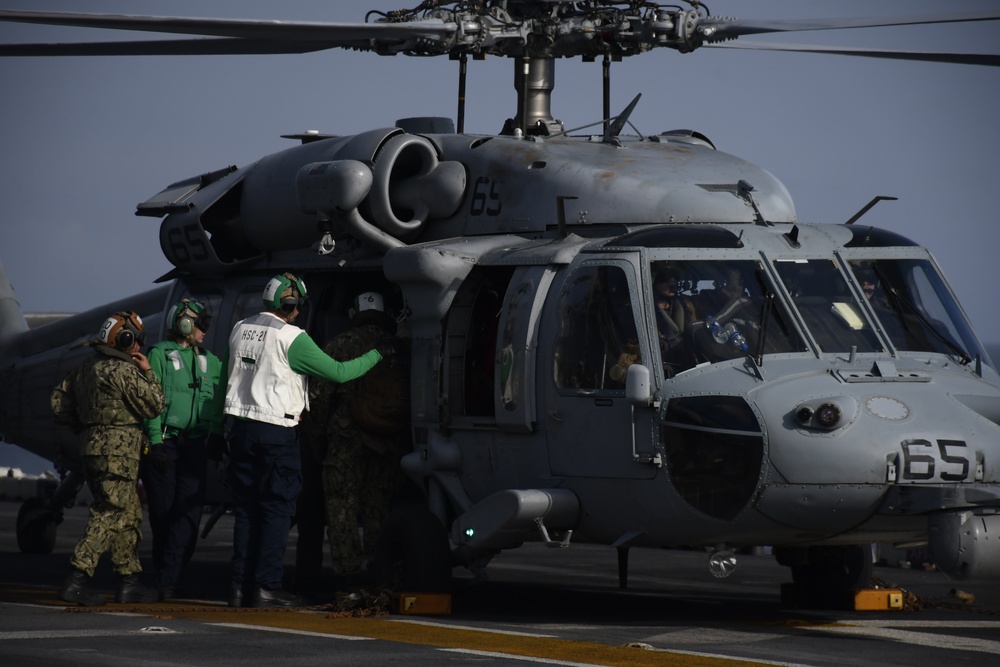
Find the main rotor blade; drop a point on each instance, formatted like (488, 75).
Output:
(736, 27)
(481, 33)
(175, 47)
(987, 59)
(307, 31)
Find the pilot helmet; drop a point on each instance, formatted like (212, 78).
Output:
(284, 293)
(121, 331)
(186, 315)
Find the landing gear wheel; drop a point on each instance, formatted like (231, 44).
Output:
(413, 553)
(833, 574)
(36, 529)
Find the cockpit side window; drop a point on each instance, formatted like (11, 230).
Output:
(597, 339)
(713, 310)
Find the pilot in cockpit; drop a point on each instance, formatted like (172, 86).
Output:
(673, 311)
(890, 320)
(674, 314)
(736, 300)
(869, 285)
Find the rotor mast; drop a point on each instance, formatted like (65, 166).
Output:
(534, 80)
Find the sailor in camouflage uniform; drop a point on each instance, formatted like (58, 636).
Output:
(105, 400)
(366, 420)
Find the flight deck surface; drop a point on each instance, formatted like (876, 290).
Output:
(538, 606)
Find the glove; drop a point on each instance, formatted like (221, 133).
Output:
(387, 349)
(217, 446)
(158, 458)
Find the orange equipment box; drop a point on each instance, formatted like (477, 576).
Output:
(878, 599)
(422, 603)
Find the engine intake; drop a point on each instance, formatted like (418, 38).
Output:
(411, 186)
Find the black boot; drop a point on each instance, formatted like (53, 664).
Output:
(131, 590)
(265, 597)
(236, 597)
(75, 589)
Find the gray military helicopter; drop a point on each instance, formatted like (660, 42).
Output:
(627, 340)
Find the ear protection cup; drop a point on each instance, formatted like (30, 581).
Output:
(185, 315)
(122, 330)
(185, 326)
(124, 340)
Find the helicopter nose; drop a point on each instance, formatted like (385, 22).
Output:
(832, 459)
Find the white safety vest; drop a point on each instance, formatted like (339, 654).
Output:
(262, 385)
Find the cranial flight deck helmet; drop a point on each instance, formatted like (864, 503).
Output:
(370, 308)
(284, 293)
(121, 331)
(187, 314)
(367, 301)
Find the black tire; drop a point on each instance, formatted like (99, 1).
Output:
(36, 528)
(413, 553)
(833, 574)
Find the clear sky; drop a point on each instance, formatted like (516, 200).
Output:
(83, 140)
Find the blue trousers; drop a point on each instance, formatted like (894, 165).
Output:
(176, 499)
(265, 477)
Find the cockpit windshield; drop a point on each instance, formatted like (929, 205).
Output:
(905, 300)
(713, 310)
(914, 308)
(828, 307)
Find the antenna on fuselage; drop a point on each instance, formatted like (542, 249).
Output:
(616, 126)
(463, 70)
(868, 206)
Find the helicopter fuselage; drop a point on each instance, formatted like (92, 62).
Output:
(840, 423)
(627, 341)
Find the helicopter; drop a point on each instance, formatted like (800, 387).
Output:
(548, 400)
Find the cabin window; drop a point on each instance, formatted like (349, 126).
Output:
(471, 344)
(512, 347)
(597, 339)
